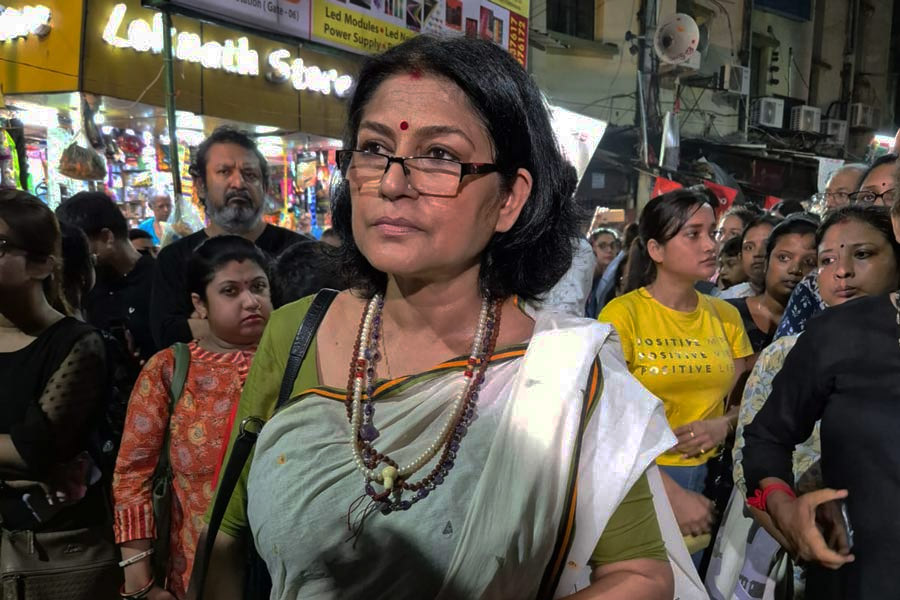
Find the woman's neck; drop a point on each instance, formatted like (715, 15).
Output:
(768, 311)
(673, 292)
(213, 343)
(28, 311)
(445, 309)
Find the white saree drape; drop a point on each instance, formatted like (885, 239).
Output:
(512, 477)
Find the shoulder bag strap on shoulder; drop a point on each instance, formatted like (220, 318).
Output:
(176, 388)
(302, 341)
(249, 432)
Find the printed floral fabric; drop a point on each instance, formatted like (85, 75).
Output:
(198, 434)
(804, 303)
(756, 392)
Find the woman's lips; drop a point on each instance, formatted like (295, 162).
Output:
(396, 226)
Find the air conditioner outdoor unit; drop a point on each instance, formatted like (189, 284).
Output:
(836, 130)
(734, 79)
(768, 112)
(806, 118)
(863, 115)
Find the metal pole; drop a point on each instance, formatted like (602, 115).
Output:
(169, 64)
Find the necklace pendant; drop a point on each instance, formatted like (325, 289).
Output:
(368, 432)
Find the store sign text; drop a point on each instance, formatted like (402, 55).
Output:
(20, 23)
(231, 56)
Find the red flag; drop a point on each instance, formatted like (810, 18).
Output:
(664, 185)
(771, 201)
(725, 194)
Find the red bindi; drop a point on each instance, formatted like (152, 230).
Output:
(404, 125)
(415, 74)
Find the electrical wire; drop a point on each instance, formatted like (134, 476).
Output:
(622, 56)
(724, 10)
(697, 98)
(800, 73)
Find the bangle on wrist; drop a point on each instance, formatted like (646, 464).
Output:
(760, 498)
(137, 557)
(139, 594)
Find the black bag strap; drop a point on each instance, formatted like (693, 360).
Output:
(250, 428)
(302, 340)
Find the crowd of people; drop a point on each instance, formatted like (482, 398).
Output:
(496, 402)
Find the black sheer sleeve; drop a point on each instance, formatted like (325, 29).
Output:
(170, 305)
(57, 427)
(799, 393)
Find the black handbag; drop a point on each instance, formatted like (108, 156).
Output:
(258, 584)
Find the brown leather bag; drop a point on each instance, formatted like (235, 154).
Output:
(80, 564)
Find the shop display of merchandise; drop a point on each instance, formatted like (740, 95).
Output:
(7, 155)
(78, 162)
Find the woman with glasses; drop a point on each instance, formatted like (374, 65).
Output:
(876, 187)
(53, 374)
(606, 246)
(441, 464)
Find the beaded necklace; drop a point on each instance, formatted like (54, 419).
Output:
(393, 479)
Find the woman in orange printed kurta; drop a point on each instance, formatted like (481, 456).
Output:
(231, 290)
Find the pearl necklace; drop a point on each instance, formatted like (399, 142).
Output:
(393, 477)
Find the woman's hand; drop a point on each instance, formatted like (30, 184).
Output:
(700, 437)
(693, 511)
(796, 519)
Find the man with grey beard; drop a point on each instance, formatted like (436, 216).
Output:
(231, 176)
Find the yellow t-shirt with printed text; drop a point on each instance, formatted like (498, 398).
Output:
(686, 359)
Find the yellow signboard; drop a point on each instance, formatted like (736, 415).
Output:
(353, 30)
(517, 6)
(370, 27)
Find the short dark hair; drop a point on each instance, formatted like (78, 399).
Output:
(765, 219)
(78, 267)
(884, 159)
(303, 269)
(34, 229)
(226, 134)
(732, 247)
(139, 234)
(661, 220)
(536, 252)
(876, 216)
(215, 253)
(800, 223)
(746, 215)
(788, 207)
(92, 212)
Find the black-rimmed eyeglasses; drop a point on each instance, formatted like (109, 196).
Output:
(426, 175)
(869, 198)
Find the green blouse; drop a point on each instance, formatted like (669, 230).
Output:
(632, 531)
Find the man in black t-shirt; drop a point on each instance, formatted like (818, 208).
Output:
(231, 176)
(120, 300)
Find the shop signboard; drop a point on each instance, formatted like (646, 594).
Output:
(369, 26)
(235, 56)
(286, 17)
(40, 45)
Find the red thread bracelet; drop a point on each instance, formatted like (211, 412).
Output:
(759, 498)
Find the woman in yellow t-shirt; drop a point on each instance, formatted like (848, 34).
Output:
(685, 347)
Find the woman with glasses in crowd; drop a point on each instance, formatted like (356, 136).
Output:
(876, 188)
(606, 246)
(53, 373)
(418, 474)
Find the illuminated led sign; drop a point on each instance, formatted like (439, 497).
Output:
(231, 56)
(20, 23)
